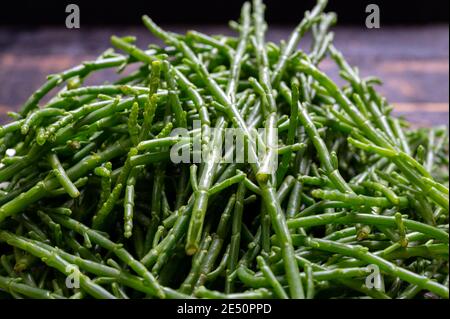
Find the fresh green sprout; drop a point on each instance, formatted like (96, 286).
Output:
(341, 186)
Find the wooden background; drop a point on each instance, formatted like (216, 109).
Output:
(412, 61)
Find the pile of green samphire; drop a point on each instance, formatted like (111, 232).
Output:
(351, 203)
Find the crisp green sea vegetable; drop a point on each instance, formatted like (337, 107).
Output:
(331, 185)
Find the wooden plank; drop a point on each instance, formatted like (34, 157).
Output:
(413, 65)
(421, 107)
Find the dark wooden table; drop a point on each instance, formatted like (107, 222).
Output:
(412, 61)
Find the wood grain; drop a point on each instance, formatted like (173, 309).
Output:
(413, 62)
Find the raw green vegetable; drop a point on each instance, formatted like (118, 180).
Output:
(331, 190)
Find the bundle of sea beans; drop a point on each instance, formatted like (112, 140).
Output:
(341, 199)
